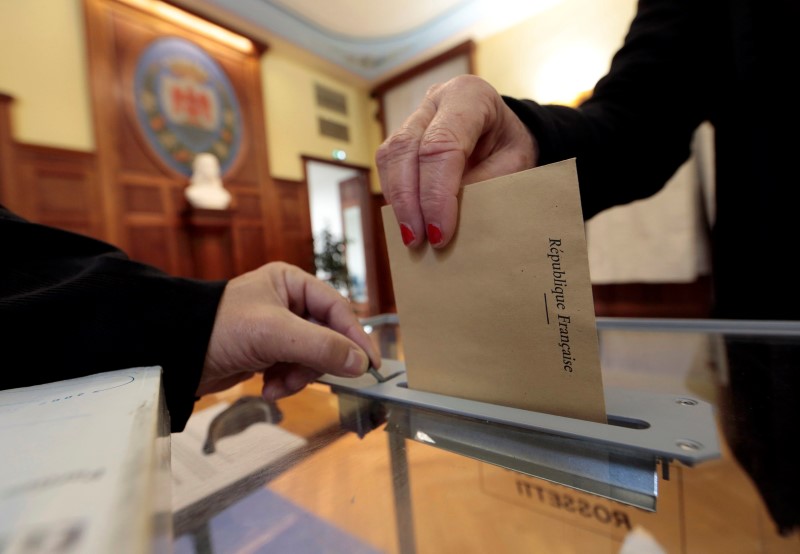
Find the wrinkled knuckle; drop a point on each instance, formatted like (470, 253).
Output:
(384, 153)
(437, 140)
(401, 144)
(402, 196)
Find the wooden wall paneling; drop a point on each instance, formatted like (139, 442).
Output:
(210, 243)
(138, 198)
(382, 269)
(247, 203)
(51, 186)
(248, 250)
(21, 195)
(180, 257)
(7, 177)
(681, 300)
(186, 264)
(255, 195)
(117, 34)
(296, 224)
(105, 98)
(59, 188)
(181, 239)
(149, 242)
(270, 201)
(145, 213)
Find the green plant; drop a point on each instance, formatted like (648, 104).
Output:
(330, 259)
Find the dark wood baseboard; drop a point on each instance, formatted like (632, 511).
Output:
(677, 300)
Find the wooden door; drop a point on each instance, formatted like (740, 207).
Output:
(357, 219)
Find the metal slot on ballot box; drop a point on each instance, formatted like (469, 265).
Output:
(618, 460)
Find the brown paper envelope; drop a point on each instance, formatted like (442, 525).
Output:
(504, 314)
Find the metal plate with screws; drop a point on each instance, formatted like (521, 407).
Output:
(617, 460)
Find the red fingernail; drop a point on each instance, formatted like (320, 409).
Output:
(407, 233)
(434, 234)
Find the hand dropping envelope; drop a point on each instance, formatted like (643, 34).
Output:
(504, 314)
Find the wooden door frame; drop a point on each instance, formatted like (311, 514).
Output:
(370, 254)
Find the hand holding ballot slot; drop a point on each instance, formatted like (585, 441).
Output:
(504, 313)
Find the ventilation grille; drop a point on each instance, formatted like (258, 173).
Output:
(330, 99)
(333, 129)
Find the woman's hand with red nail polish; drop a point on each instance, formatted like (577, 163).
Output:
(407, 234)
(462, 132)
(434, 234)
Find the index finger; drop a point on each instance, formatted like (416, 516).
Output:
(397, 160)
(448, 142)
(327, 306)
(422, 165)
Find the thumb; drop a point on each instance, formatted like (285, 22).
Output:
(320, 348)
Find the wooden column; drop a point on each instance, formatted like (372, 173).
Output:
(7, 164)
(210, 242)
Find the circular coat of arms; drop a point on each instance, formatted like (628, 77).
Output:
(186, 105)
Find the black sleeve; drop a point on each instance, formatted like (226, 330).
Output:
(636, 129)
(72, 306)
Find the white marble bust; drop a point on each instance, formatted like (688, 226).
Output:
(205, 189)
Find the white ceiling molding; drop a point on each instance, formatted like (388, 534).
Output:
(372, 38)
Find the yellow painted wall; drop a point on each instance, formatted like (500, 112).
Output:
(558, 54)
(374, 137)
(292, 127)
(43, 65)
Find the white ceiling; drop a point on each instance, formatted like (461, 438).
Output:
(369, 39)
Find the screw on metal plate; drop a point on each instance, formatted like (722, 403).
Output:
(689, 445)
(686, 401)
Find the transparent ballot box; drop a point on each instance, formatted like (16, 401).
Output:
(697, 456)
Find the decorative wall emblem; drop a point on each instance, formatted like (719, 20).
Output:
(186, 105)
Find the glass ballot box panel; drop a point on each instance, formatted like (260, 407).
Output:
(365, 466)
